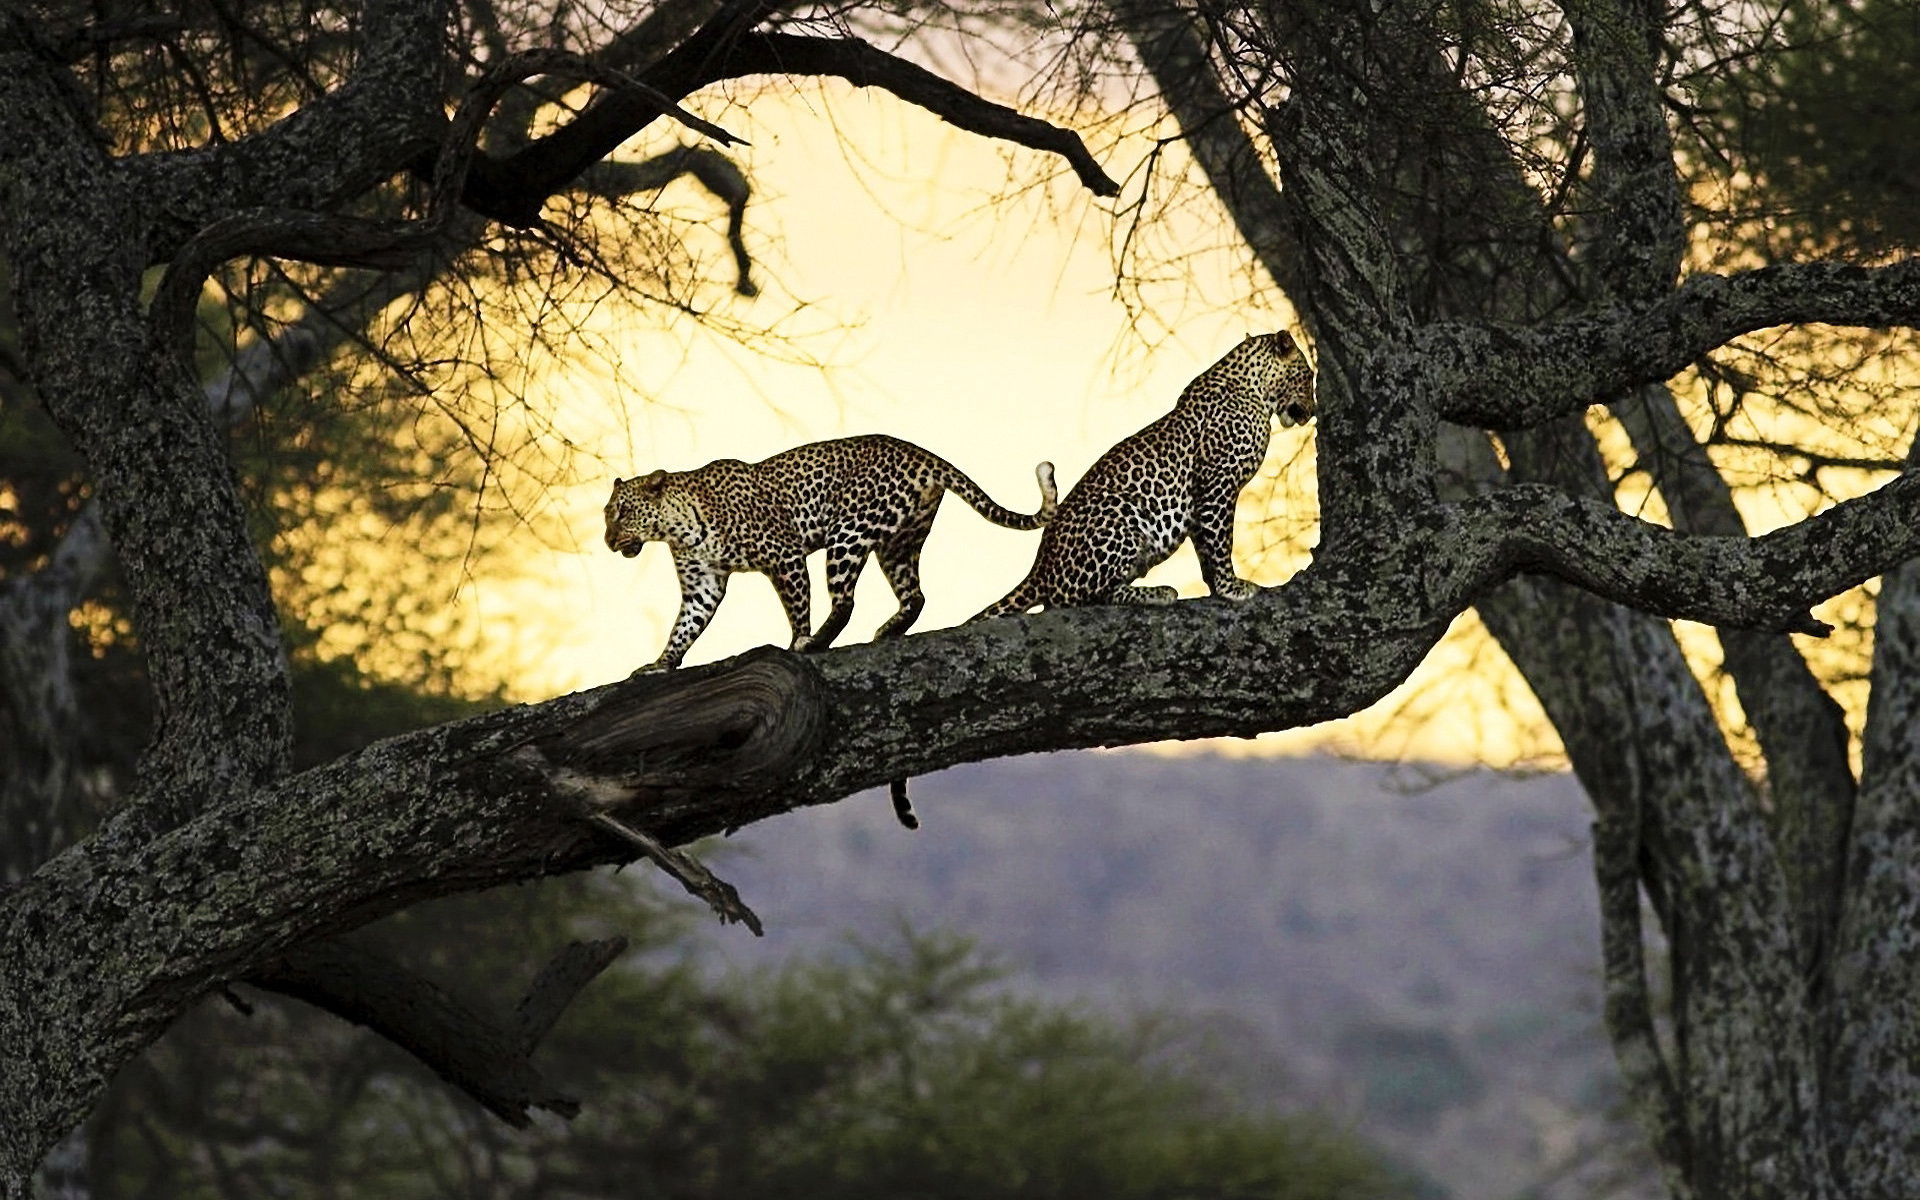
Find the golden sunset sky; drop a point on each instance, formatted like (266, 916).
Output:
(920, 301)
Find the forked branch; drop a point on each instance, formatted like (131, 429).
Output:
(1766, 582)
(1519, 376)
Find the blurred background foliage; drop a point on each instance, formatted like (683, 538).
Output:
(909, 1070)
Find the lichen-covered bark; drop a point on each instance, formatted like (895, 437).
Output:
(1801, 729)
(1872, 1026)
(110, 941)
(1646, 745)
(225, 868)
(325, 154)
(1513, 327)
(1643, 741)
(167, 497)
(1514, 376)
(1640, 235)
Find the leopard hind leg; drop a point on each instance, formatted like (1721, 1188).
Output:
(900, 560)
(846, 558)
(1141, 596)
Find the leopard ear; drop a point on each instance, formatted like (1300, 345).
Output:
(1282, 342)
(619, 482)
(657, 479)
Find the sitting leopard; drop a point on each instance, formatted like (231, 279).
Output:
(850, 497)
(1177, 478)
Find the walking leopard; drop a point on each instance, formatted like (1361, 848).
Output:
(851, 497)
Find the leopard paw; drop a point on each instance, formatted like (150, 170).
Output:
(1153, 595)
(1236, 589)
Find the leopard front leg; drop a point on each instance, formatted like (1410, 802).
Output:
(702, 586)
(1212, 534)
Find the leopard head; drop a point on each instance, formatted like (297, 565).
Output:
(1288, 376)
(633, 513)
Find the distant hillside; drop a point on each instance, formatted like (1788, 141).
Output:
(1419, 954)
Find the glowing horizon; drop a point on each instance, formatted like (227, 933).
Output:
(986, 329)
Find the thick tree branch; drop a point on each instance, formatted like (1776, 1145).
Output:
(1750, 583)
(45, 799)
(331, 240)
(512, 190)
(309, 237)
(1511, 377)
(1872, 1031)
(1642, 233)
(678, 756)
(487, 1060)
(200, 595)
(1648, 750)
(327, 153)
(1801, 729)
(865, 65)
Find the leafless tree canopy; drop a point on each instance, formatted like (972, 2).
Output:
(1499, 226)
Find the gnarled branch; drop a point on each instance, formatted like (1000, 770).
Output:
(487, 1060)
(1512, 377)
(1750, 583)
(511, 190)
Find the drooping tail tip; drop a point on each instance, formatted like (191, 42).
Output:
(1049, 494)
(902, 807)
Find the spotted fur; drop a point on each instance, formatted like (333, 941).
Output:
(1176, 479)
(851, 497)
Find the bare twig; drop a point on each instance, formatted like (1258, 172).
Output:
(690, 871)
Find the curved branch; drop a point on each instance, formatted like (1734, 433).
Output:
(339, 241)
(485, 1059)
(865, 65)
(332, 149)
(511, 190)
(1512, 377)
(715, 171)
(1748, 583)
(268, 233)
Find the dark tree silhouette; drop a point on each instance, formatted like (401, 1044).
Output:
(1447, 286)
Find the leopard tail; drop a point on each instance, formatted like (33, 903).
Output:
(971, 492)
(1023, 597)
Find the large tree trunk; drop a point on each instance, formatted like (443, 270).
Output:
(1791, 999)
(221, 866)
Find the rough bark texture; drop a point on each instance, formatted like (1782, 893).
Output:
(1431, 299)
(1786, 913)
(486, 1059)
(81, 227)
